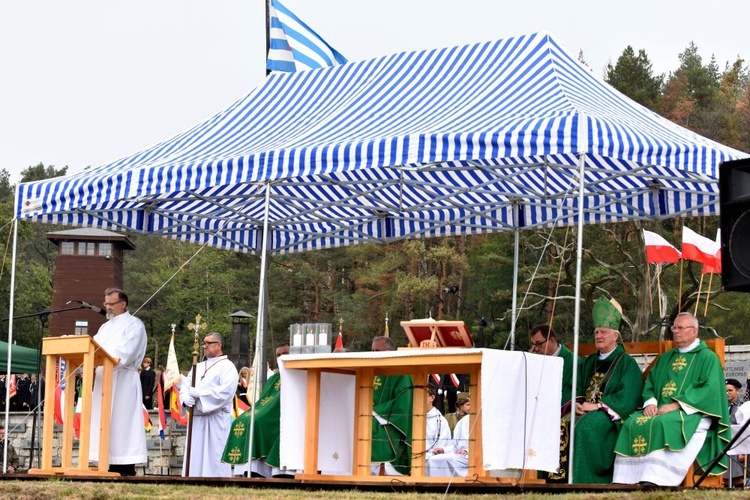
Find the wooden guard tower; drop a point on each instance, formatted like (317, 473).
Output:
(88, 262)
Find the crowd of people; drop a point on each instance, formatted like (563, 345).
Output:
(628, 427)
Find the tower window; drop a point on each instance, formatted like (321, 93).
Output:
(67, 248)
(82, 327)
(105, 249)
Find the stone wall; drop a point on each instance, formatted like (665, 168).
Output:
(164, 456)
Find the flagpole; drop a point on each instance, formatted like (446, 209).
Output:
(188, 442)
(648, 285)
(679, 293)
(708, 294)
(658, 288)
(268, 34)
(698, 299)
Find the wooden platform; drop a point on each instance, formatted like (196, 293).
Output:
(396, 484)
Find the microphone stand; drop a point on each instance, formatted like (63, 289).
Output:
(721, 454)
(482, 320)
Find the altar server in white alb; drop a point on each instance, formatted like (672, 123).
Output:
(211, 401)
(438, 433)
(454, 461)
(123, 337)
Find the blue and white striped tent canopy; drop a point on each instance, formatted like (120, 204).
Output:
(471, 139)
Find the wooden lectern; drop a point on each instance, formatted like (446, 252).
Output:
(78, 350)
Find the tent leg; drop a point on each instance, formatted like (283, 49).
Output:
(10, 338)
(260, 342)
(577, 317)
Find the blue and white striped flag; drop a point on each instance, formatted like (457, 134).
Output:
(294, 46)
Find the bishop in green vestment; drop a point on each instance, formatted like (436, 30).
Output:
(391, 428)
(608, 391)
(684, 400)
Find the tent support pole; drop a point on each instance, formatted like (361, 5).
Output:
(10, 342)
(260, 334)
(577, 314)
(514, 313)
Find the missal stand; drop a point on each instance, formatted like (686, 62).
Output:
(78, 350)
(428, 333)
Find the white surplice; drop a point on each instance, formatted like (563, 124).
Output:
(438, 432)
(451, 463)
(216, 382)
(124, 337)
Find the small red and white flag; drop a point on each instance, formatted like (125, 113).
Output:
(698, 248)
(659, 250)
(339, 342)
(716, 267)
(77, 417)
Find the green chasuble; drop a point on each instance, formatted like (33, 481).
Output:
(616, 382)
(392, 401)
(567, 380)
(266, 429)
(694, 379)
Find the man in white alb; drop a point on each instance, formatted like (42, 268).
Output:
(211, 401)
(455, 459)
(123, 337)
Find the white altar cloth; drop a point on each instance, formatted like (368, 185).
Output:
(520, 409)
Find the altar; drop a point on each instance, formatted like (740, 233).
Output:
(326, 410)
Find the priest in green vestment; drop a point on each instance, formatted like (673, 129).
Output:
(608, 392)
(266, 429)
(685, 416)
(544, 341)
(392, 418)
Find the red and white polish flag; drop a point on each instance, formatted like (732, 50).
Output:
(698, 248)
(716, 268)
(659, 250)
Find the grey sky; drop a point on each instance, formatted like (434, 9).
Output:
(87, 82)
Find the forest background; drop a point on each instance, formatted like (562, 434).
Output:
(365, 284)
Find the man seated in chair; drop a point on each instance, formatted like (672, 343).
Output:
(685, 415)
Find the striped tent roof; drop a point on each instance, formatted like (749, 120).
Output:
(472, 139)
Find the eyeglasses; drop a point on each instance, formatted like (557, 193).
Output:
(105, 304)
(540, 343)
(205, 343)
(680, 328)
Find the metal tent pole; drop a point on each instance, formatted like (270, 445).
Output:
(514, 314)
(10, 344)
(577, 317)
(259, 327)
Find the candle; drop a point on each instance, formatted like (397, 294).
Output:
(310, 339)
(322, 339)
(297, 339)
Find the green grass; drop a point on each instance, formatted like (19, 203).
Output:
(56, 488)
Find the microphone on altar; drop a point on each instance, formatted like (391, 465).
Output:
(86, 305)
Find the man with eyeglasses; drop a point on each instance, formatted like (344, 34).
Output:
(684, 418)
(544, 341)
(210, 400)
(123, 336)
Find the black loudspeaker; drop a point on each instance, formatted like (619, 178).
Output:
(734, 200)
